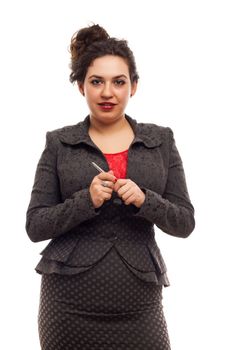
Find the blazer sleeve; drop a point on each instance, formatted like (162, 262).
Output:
(47, 216)
(173, 211)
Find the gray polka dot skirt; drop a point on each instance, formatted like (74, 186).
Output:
(106, 307)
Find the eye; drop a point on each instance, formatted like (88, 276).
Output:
(119, 82)
(96, 82)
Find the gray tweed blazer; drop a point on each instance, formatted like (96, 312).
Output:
(61, 209)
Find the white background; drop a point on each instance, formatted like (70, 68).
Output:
(184, 55)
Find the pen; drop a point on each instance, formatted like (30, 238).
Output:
(97, 167)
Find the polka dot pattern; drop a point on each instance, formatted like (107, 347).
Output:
(106, 307)
(102, 272)
(133, 240)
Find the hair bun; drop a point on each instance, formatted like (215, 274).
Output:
(85, 37)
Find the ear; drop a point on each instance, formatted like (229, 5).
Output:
(134, 86)
(81, 89)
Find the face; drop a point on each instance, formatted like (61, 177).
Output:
(107, 88)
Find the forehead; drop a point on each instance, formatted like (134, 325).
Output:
(108, 66)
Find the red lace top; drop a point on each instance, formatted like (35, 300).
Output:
(118, 163)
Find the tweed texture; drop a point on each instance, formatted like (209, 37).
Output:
(102, 271)
(61, 208)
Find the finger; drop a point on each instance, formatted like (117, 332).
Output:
(130, 199)
(107, 184)
(119, 183)
(107, 177)
(127, 194)
(103, 195)
(111, 172)
(125, 188)
(106, 189)
(106, 196)
(97, 188)
(115, 180)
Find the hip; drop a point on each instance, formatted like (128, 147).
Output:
(108, 287)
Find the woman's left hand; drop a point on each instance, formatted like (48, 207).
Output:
(129, 192)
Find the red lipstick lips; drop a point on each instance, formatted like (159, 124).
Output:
(106, 106)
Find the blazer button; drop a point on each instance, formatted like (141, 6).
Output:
(117, 201)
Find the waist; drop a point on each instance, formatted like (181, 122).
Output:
(122, 228)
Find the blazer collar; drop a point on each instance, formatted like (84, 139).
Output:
(76, 134)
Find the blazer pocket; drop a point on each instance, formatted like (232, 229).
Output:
(145, 263)
(136, 255)
(88, 252)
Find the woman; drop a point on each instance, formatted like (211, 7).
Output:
(102, 272)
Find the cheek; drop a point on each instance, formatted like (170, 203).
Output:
(91, 96)
(124, 96)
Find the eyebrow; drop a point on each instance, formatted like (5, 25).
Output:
(116, 77)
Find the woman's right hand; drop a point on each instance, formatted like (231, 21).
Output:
(101, 188)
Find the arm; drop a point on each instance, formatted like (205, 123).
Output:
(47, 216)
(172, 212)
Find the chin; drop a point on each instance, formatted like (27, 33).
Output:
(106, 117)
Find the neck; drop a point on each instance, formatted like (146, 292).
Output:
(111, 127)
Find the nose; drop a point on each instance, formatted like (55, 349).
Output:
(106, 91)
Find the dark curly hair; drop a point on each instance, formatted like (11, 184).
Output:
(92, 42)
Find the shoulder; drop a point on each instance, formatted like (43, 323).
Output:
(152, 128)
(65, 130)
(157, 133)
(66, 134)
